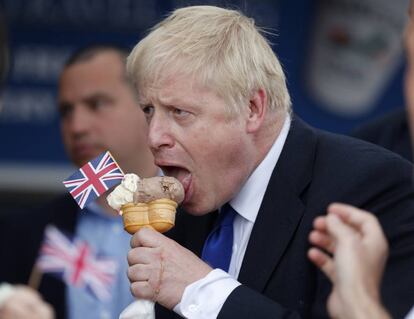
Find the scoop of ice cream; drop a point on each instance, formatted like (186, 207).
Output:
(158, 187)
(124, 192)
(135, 190)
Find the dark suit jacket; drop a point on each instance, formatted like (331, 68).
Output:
(20, 238)
(390, 131)
(315, 168)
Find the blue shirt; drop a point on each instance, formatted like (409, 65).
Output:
(105, 234)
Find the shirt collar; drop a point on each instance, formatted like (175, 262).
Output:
(247, 202)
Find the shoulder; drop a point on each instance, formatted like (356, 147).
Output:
(335, 162)
(391, 119)
(330, 149)
(390, 131)
(355, 155)
(339, 167)
(383, 127)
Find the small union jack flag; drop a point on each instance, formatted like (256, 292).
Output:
(94, 179)
(76, 264)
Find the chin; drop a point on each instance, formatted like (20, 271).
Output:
(196, 209)
(81, 161)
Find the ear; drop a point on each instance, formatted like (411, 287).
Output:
(257, 111)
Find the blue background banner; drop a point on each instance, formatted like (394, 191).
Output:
(343, 59)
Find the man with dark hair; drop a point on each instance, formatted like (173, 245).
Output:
(98, 112)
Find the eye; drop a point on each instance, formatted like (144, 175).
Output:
(65, 109)
(148, 110)
(180, 113)
(98, 103)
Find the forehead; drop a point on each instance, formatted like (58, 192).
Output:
(172, 88)
(103, 70)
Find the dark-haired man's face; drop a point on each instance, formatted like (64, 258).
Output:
(99, 112)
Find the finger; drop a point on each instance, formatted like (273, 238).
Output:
(146, 237)
(142, 255)
(142, 290)
(27, 294)
(26, 299)
(322, 240)
(353, 216)
(323, 262)
(40, 311)
(139, 272)
(364, 222)
(320, 223)
(15, 310)
(45, 311)
(339, 230)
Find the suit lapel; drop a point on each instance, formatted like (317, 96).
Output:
(192, 231)
(282, 208)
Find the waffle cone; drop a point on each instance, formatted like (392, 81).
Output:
(158, 214)
(135, 216)
(162, 214)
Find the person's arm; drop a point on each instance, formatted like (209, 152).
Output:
(23, 302)
(351, 250)
(161, 270)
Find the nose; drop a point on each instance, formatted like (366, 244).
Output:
(78, 123)
(160, 134)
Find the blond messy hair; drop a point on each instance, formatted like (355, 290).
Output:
(222, 49)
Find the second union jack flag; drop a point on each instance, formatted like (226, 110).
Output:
(76, 264)
(93, 179)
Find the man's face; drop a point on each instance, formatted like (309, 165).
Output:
(99, 112)
(193, 139)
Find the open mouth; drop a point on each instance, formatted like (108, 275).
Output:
(182, 174)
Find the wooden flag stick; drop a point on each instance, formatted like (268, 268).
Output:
(35, 278)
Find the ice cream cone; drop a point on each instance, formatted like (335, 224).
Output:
(135, 216)
(161, 214)
(148, 202)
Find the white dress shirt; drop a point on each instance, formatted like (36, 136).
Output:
(205, 297)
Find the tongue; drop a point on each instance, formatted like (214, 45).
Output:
(184, 177)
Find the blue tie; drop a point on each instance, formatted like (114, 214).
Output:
(218, 246)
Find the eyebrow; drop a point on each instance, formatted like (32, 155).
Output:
(144, 105)
(98, 95)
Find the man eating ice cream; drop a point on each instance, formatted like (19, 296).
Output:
(220, 121)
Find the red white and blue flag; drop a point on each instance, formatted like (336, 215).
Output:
(76, 264)
(94, 179)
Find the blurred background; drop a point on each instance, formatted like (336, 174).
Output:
(343, 59)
